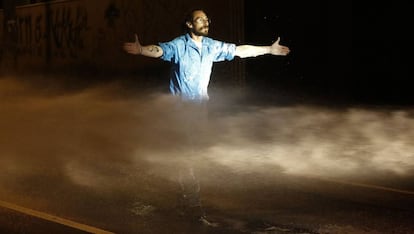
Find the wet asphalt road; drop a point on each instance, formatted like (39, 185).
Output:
(296, 205)
(108, 159)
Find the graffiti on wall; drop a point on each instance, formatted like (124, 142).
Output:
(63, 31)
(88, 33)
(27, 31)
(59, 31)
(67, 30)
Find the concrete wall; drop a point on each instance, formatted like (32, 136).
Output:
(88, 34)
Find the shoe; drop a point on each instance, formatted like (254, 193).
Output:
(204, 221)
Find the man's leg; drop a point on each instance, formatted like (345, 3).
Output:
(189, 198)
(195, 124)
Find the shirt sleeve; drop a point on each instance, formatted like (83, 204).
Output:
(169, 50)
(224, 51)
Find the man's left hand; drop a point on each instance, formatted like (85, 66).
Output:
(277, 49)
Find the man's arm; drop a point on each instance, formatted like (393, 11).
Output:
(244, 51)
(153, 51)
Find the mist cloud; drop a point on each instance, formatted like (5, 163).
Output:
(96, 136)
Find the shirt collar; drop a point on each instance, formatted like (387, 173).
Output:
(191, 41)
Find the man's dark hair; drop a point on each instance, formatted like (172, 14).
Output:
(189, 18)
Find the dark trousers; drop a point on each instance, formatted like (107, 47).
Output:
(192, 118)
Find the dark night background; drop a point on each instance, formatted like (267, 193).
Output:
(109, 155)
(341, 50)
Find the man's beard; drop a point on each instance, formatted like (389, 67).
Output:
(200, 32)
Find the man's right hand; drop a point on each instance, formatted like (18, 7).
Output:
(133, 47)
(153, 51)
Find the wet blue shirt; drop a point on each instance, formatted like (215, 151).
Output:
(191, 66)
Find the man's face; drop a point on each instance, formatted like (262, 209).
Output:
(200, 24)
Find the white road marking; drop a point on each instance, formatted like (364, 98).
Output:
(376, 187)
(53, 218)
